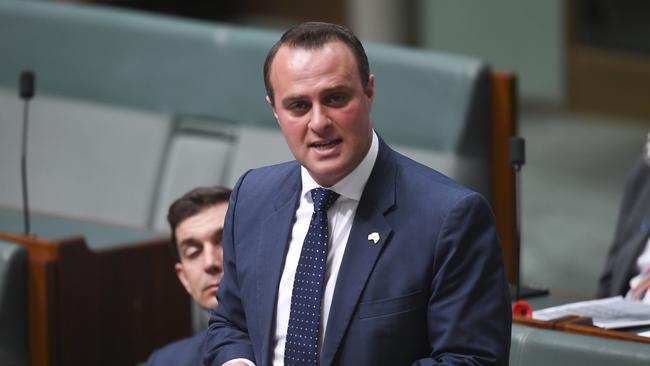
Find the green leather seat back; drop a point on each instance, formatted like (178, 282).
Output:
(13, 304)
(112, 84)
(424, 99)
(534, 346)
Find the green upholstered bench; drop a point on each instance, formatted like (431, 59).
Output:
(133, 109)
(535, 346)
(13, 304)
(97, 235)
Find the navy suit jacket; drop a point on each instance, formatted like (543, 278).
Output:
(186, 352)
(632, 232)
(431, 291)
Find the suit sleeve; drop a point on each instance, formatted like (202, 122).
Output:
(153, 358)
(227, 336)
(469, 315)
(633, 185)
(605, 281)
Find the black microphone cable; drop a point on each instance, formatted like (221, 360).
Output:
(26, 93)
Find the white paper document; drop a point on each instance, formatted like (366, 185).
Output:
(609, 313)
(645, 334)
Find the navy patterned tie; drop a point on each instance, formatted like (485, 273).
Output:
(301, 348)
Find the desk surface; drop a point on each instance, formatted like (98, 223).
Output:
(98, 235)
(541, 302)
(560, 343)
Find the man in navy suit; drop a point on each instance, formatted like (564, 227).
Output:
(196, 222)
(414, 272)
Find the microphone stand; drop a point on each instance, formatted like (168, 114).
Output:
(517, 154)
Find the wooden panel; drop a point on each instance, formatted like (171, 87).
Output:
(125, 298)
(609, 81)
(295, 11)
(575, 325)
(504, 125)
(41, 274)
(599, 332)
(110, 307)
(532, 322)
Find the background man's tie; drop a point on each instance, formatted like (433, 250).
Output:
(304, 319)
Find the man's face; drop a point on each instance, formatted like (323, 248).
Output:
(199, 244)
(322, 109)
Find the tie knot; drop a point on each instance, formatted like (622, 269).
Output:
(323, 198)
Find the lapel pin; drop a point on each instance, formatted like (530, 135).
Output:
(374, 237)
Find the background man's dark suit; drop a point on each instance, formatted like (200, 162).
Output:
(186, 352)
(431, 291)
(632, 232)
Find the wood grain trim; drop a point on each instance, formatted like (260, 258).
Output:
(575, 325)
(503, 105)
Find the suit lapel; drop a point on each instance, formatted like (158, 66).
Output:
(361, 253)
(274, 239)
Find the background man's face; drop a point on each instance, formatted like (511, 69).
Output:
(322, 109)
(199, 239)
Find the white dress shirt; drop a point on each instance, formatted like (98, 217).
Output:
(642, 263)
(340, 217)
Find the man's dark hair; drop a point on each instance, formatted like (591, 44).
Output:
(313, 35)
(190, 204)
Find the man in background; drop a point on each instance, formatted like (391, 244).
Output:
(627, 270)
(196, 222)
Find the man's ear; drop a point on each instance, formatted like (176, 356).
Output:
(268, 100)
(182, 276)
(370, 89)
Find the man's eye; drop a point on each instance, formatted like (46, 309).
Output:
(298, 106)
(337, 100)
(191, 252)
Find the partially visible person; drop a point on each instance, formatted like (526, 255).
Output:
(627, 270)
(196, 222)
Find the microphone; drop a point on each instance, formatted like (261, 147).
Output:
(26, 85)
(517, 152)
(26, 92)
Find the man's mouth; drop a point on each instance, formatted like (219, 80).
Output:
(323, 145)
(212, 287)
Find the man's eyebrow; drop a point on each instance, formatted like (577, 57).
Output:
(292, 98)
(338, 87)
(334, 88)
(218, 232)
(188, 241)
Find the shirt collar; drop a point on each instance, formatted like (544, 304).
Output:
(351, 186)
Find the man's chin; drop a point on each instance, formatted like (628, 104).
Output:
(209, 304)
(327, 173)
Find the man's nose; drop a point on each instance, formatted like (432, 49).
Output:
(213, 259)
(320, 121)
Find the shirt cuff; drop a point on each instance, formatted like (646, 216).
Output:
(244, 360)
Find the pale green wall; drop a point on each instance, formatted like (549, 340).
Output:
(526, 36)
